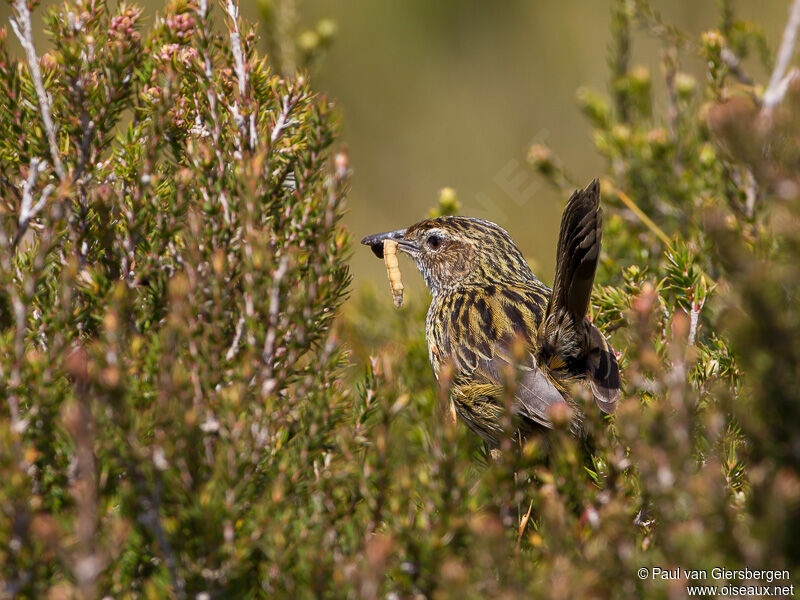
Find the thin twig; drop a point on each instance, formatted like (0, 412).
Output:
(241, 73)
(694, 321)
(669, 62)
(28, 210)
(237, 338)
(89, 562)
(236, 46)
(626, 200)
(21, 24)
(620, 55)
(88, 125)
(734, 65)
(204, 39)
(35, 169)
(651, 20)
(25, 219)
(288, 103)
(150, 517)
(751, 193)
(267, 354)
(18, 425)
(779, 81)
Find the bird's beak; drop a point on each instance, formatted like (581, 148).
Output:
(375, 241)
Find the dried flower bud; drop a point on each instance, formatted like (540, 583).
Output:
(308, 41)
(685, 84)
(151, 94)
(658, 137)
(640, 76)
(713, 40)
(181, 26)
(168, 52)
(341, 163)
(327, 30)
(541, 158)
(594, 106)
(123, 27)
(48, 61)
(448, 203)
(622, 134)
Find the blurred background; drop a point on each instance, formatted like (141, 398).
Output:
(454, 92)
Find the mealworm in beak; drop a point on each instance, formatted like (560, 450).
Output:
(393, 270)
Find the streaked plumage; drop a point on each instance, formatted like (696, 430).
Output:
(490, 311)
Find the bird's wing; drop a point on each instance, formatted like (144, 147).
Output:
(488, 328)
(602, 372)
(534, 392)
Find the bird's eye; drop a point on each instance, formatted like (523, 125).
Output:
(434, 242)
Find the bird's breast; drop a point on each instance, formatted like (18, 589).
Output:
(436, 332)
(466, 325)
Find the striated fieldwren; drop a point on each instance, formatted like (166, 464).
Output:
(487, 305)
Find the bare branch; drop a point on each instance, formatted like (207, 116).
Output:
(237, 338)
(241, 72)
(779, 81)
(21, 24)
(288, 104)
(18, 424)
(28, 210)
(236, 46)
(694, 321)
(150, 518)
(89, 561)
(35, 169)
(751, 191)
(267, 354)
(204, 37)
(734, 65)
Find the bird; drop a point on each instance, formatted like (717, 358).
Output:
(489, 312)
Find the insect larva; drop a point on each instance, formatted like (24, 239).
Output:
(393, 270)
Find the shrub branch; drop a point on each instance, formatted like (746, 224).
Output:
(21, 24)
(779, 81)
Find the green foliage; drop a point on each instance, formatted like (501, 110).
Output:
(694, 471)
(448, 203)
(179, 420)
(290, 46)
(167, 299)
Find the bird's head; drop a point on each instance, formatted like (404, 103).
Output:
(452, 251)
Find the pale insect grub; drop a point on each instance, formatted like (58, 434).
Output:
(393, 270)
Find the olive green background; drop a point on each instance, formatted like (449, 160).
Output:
(452, 92)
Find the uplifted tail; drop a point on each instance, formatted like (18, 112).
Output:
(569, 342)
(578, 251)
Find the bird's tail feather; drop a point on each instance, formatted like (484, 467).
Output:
(578, 252)
(568, 337)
